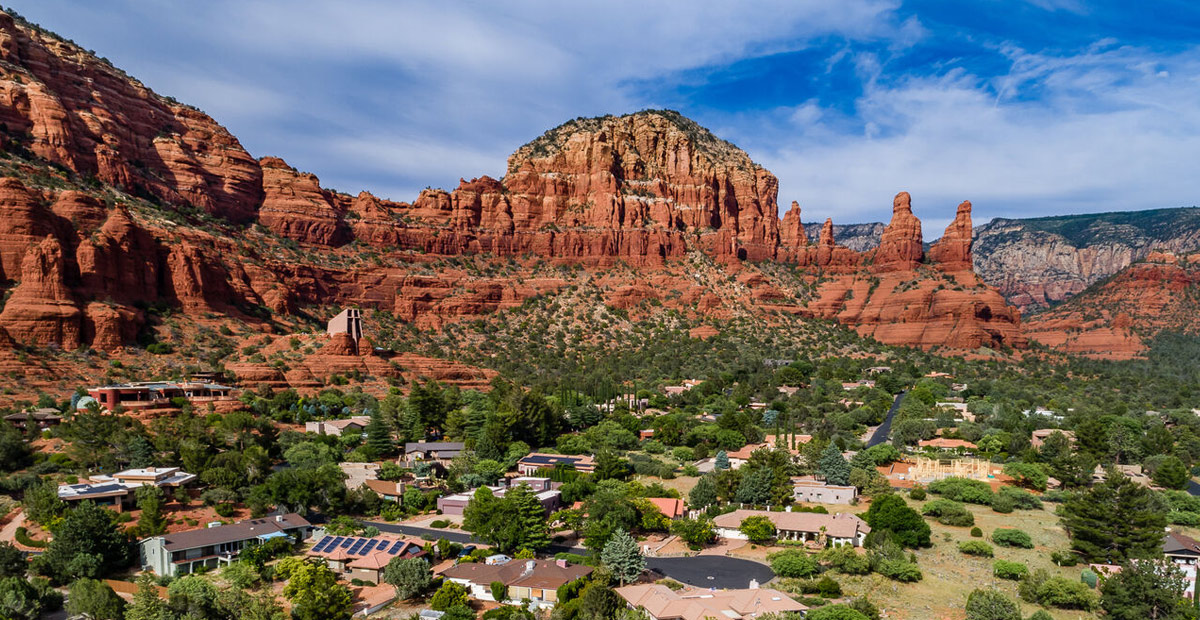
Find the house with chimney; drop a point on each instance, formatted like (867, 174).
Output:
(182, 553)
(534, 580)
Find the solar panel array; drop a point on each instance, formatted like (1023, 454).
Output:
(357, 546)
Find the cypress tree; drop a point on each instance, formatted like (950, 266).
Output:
(535, 533)
(379, 437)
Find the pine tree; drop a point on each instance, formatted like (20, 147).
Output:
(150, 500)
(141, 453)
(1114, 521)
(755, 487)
(1145, 589)
(535, 532)
(379, 437)
(704, 494)
(146, 603)
(833, 466)
(622, 557)
(721, 462)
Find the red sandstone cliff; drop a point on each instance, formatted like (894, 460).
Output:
(641, 189)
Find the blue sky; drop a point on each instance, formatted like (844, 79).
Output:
(1026, 108)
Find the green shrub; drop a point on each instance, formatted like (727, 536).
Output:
(1008, 537)
(976, 532)
(917, 493)
(439, 523)
(900, 570)
(1021, 499)
(794, 563)
(1089, 578)
(1064, 558)
(1003, 504)
(1003, 569)
(22, 536)
(949, 512)
(844, 559)
(1039, 587)
(963, 490)
(975, 547)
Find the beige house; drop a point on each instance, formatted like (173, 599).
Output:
(353, 424)
(536, 580)
(662, 603)
(364, 558)
(820, 492)
(1040, 436)
(840, 528)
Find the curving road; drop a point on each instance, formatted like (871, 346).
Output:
(712, 571)
(705, 571)
(885, 429)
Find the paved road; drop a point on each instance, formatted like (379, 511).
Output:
(885, 429)
(712, 571)
(706, 571)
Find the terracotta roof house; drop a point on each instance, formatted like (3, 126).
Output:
(184, 552)
(840, 528)
(364, 558)
(536, 580)
(671, 507)
(942, 443)
(662, 603)
(352, 424)
(539, 460)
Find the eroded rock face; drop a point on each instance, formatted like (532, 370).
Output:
(900, 247)
(953, 251)
(791, 233)
(72, 109)
(295, 207)
(42, 310)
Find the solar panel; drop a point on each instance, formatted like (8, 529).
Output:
(358, 543)
(347, 542)
(396, 546)
(368, 547)
(331, 545)
(321, 544)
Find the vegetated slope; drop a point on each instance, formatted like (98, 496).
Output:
(1037, 262)
(1117, 317)
(122, 206)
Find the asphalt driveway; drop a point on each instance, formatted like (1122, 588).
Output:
(712, 571)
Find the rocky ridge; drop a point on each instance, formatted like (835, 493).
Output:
(118, 200)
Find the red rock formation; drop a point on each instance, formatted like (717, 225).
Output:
(25, 223)
(75, 110)
(791, 233)
(42, 310)
(900, 247)
(953, 251)
(295, 207)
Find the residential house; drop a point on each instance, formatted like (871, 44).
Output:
(1184, 551)
(662, 603)
(676, 390)
(358, 474)
(738, 457)
(364, 558)
(1040, 436)
(41, 418)
(671, 507)
(388, 490)
(352, 424)
(808, 489)
(171, 555)
(531, 463)
(441, 452)
(118, 489)
(154, 394)
(942, 443)
(544, 489)
(840, 528)
(535, 580)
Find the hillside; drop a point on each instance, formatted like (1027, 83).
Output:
(1117, 317)
(132, 219)
(1037, 262)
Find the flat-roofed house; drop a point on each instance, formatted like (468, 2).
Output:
(352, 424)
(543, 488)
(662, 603)
(184, 552)
(840, 528)
(356, 557)
(535, 580)
(118, 489)
(1039, 437)
(807, 489)
(531, 463)
(155, 394)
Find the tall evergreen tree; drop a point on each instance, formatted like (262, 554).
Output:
(755, 487)
(535, 533)
(1114, 521)
(147, 605)
(704, 494)
(379, 437)
(622, 557)
(1150, 590)
(150, 500)
(833, 466)
(610, 467)
(87, 543)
